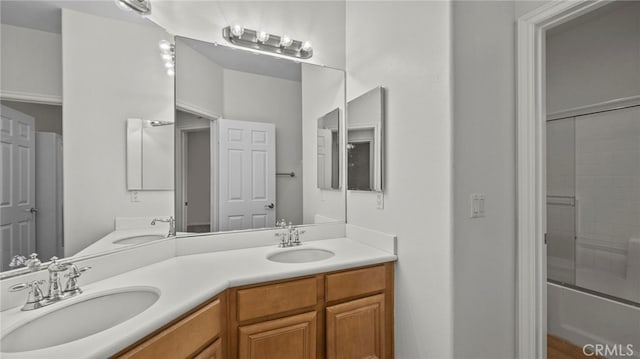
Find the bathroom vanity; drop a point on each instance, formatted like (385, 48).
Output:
(336, 314)
(229, 295)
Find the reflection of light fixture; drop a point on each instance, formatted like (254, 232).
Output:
(263, 41)
(142, 7)
(164, 45)
(168, 54)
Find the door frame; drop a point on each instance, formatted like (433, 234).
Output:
(531, 308)
(180, 166)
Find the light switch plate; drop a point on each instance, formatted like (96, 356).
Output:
(477, 205)
(135, 196)
(380, 200)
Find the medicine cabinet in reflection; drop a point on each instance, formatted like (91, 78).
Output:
(365, 130)
(329, 150)
(149, 155)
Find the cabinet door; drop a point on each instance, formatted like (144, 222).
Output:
(356, 329)
(213, 351)
(291, 337)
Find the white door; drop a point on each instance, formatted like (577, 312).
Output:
(247, 174)
(324, 158)
(17, 200)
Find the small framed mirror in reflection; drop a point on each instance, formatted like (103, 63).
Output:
(365, 141)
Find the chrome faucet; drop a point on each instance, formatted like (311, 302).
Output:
(35, 298)
(172, 225)
(290, 237)
(33, 263)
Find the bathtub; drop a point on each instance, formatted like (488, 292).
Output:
(583, 318)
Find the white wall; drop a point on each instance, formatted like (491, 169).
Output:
(31, 63)
(595, 58)
(323, 90)
(112, 71)
(321, 22)
(484, 158)
(415, 70)
(251, 97)
(199, 82)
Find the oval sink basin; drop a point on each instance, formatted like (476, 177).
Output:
(79, 320)
(139, 239)
(301, 255)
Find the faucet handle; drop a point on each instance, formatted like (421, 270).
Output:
(75, 272)
(35, 296)
(72, 287)
(22, 286)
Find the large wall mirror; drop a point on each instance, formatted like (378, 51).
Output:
(227, 141)
(247, 132)
(64, 156)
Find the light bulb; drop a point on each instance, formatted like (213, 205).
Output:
(171, 71)
(237, 30)
(167, 57)
(262, 36)
(306, 46)
(286, 41)
(169, 64)
(164, 45)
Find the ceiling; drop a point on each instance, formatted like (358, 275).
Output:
(45, 15)
(246, 61)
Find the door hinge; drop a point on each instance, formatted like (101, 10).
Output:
(545, 238)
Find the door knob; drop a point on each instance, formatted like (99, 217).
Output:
(269, 206)
(31, 210)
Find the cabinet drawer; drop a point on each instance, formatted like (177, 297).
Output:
(355, 282)
(184, 338)
(276, 298)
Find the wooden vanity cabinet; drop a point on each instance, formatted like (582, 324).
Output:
(198, 334)
(344, 314)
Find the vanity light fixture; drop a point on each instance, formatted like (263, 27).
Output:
(168, 54)
(266, 42)
(142, 7)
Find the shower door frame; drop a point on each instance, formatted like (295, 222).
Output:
(531, 279)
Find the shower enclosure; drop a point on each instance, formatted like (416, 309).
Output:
(593, 202)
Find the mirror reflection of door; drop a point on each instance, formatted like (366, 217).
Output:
(31, 180)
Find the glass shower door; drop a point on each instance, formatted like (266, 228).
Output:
(561, 202)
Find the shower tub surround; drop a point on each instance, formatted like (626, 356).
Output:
(188, 271)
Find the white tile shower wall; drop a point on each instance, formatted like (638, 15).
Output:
(608, 200)
(608, 176)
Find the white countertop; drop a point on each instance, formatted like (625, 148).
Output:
(185, 282)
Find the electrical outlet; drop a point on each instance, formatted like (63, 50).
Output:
(135, 196)
(380, 200)
(477, 205)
